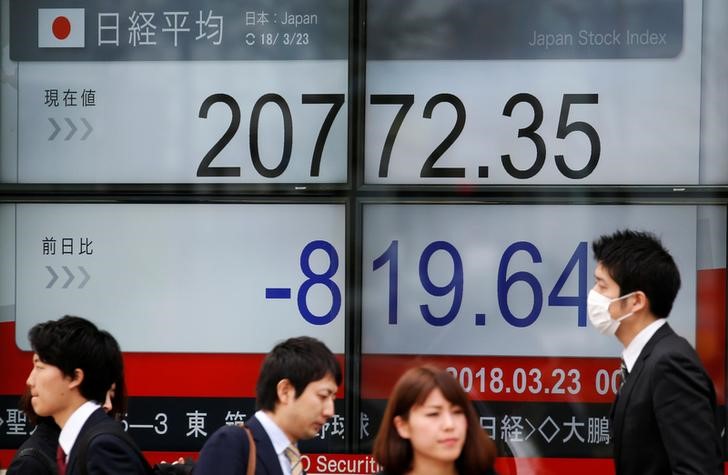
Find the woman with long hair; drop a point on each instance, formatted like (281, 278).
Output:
(430, 427)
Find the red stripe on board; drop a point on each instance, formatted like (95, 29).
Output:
(553, 466)
(192, 374)
(152, 374)
(14, 364)
(505, 378)
(710, 338)
(6, 456)
(169, 457)
(155, 374)
(338, 462)
(325, 464)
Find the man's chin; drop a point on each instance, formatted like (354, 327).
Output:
(313, 431)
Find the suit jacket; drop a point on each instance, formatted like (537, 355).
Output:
(664, 417)
(106, 454)
(45, 441)
(226, 452)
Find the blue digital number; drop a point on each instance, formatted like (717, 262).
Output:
(323, 279)
(505, 283)
(391, 256)
(455, 284)
(579, 301)
(577, 261)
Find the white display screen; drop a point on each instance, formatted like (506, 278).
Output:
(409, 181)
(536, 93)
(184, 278)
(501, 280)
(177, 92)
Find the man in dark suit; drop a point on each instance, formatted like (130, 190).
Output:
(74, 365)
(664, 417)
(295, 397)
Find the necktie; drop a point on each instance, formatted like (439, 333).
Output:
(294, 456)
(61, 460)
(625, 373)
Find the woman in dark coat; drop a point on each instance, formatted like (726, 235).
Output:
(37, 455)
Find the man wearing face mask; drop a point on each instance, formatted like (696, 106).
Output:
(664, 417)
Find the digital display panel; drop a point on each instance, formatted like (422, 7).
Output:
(485, 277)
(202, 275)
(176, 92)
(567, 93)
(496, 295)
(195, 294)
(373, 102)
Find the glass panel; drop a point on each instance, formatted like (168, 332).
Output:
(176, 92)
(496, 294)
(196, 295)
(545, 93)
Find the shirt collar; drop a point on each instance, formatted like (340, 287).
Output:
(633, 350)
(277, 436)
(73, 426)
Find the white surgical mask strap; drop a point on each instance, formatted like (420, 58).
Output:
(625, 315)
(624, 296)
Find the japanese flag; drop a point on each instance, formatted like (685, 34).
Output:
(61, 27)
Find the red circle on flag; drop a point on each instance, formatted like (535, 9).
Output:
(61, 27)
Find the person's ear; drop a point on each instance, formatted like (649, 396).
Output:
(77, 378)
(640, 301)
(285, 391)
(402, 427)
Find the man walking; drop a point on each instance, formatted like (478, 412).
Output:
(664, 417)
(74, 365)
(295, 395)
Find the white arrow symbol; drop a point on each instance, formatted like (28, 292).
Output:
(53, 280)
(73, 128)
(86, 277)
(88, 126)
(56, 128)
(70, 277)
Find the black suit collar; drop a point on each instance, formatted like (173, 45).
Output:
(266, 455)
(96, 417)
(626, 391)
(662, 332)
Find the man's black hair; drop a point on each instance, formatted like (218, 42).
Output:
(71, 343)
(637, 261)
(300, 360)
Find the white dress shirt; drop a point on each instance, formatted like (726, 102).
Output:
(633, 350)
(73, 426)
(277, 437)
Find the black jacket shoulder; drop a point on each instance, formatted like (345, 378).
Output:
(37, 455)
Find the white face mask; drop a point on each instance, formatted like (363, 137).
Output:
(598, 310)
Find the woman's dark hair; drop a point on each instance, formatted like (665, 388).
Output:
(395, 454)
(116, 365)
